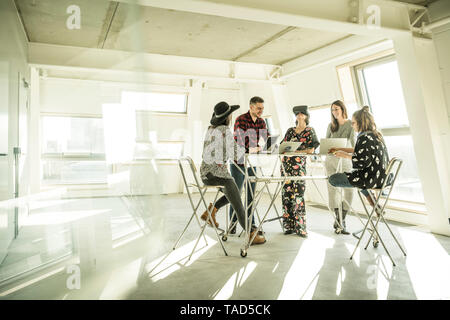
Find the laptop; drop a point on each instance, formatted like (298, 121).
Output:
(327, 144)
(289, 146)
(270, 145)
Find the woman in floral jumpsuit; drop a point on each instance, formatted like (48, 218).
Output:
(293, 203)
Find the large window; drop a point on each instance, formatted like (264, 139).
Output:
(162, 150)
(319, 120)
(73, 150)
(379, 87)
(156, 101)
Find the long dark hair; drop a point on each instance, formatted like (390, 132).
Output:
(226, 121)
(334, 122)
(366, 122)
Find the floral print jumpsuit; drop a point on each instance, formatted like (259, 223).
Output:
(293, 203)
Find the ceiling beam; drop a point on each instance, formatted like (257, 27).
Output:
(109, 18)
(56, 57)
(342, 16)
(264, 43)
(19, 13)
(338, 51)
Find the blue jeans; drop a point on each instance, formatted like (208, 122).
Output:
(340, 180)
(239, 179)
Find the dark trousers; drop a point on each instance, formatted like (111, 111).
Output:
(340, 180)
(239, 179)
(232, 195)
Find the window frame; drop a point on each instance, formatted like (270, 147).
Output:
(362, 98)
(166, 113)
(68, 156)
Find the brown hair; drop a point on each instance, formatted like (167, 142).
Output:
(366, 123)
(334, 122)
(256, 100)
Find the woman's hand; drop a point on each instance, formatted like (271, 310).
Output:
(342, 154)
(307, 151)
(333, 150)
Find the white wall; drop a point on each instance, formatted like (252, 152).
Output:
(13, 53)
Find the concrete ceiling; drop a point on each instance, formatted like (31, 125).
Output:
(418, 2)
(112, 25)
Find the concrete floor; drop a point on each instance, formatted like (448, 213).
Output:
(117, 256)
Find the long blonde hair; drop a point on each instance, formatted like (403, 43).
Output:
(366, 122)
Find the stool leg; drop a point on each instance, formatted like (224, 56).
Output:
(381, 216)
(395, 238)
(213, 224)
(365, 226)
(371, 234)
(360, 238)
(374, 228)
(205, 224)
(382, 243)
(190, 220)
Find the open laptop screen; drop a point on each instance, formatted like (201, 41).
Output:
(270, 142)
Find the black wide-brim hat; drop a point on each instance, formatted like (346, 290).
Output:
(300, 109)
(221, 111)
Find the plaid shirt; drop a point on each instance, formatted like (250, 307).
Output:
(247, 133)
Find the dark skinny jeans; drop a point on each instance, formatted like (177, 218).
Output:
(340, 180)
(232, 195)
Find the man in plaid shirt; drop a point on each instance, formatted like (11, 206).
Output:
(248, 129)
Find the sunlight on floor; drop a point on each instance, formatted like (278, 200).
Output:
(32, 281)
(236, 280)
(60, 217)
(340, 280)
(163, 266)
(384, 271)
(428, 265)
(122, 281)
(357, 256)
(41, 204)
(119, 243)
(310, 260)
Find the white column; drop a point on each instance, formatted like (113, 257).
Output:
(425, 105)
(34, 132)
(195, 137)
(282, 107)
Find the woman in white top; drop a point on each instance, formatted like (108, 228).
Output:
(340, 127)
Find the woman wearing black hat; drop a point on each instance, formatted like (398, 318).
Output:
(293, 202)
(218, 148)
